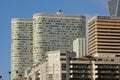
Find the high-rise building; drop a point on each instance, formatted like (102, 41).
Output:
(55, 32)
(104, 35)
(32, 38)
(79, 46)
(114, 7)
(21, 46)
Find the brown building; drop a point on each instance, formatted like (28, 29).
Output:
(104, 35)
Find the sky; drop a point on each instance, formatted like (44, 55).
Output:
(26, 8)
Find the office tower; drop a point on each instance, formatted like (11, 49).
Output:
(114, 7)
(79, 46)
(21, 46)
(55, 32)
(104, 35)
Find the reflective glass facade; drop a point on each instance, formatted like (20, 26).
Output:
(114, 7)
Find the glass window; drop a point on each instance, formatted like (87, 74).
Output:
(64, 76)
(64, 66)
(50, 77)
(57, 76)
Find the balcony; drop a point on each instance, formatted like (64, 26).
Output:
(80, 77)
(80, 71)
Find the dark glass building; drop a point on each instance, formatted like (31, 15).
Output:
(114, 7)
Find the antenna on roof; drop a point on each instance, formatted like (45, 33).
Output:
(59, 11)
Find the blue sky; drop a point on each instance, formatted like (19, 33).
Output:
(26, 8)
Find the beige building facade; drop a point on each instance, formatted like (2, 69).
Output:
(54, 67)
(32, 38)
(55, 32)
(104, 35)
(21, 46)
(62, 65)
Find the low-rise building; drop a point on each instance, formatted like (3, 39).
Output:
(80, 69)
(62, 65)
(106, 67)
(54, 67)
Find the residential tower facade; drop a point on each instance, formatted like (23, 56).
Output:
(55, 32)
(32, 38)
(21, 46)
